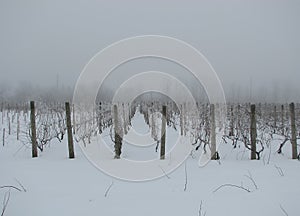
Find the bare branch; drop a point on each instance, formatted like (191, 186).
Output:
(200, 209)
(21, 185)
(108, 189)
(5, 202)
(283, 210)
(249, 176)
(280, 171)
(279, 151)
(186, 177)
(232, 185)
(9, 186)
(164, 172)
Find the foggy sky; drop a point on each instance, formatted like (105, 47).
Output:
(253, 45)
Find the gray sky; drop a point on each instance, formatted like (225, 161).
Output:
(247, 41)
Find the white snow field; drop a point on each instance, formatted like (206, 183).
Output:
(52, 184)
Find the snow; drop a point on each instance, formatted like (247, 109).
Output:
(56, 185)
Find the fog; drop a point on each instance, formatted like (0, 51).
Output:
(253, 45)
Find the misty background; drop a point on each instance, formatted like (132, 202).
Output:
(253, 45)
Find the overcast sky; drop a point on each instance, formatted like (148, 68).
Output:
(248, 42)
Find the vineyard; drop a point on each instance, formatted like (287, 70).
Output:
(259, 129)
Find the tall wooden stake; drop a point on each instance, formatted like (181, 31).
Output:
(100, 118)
(231, 132)
(181, 120)
(282, 119)
(253, 133)
(18, 125)
(69, 130)
(163, 133)
(214, 154)
(3, 137)
(275, 116)
(118, 134)
(33, 130)
(293, 131)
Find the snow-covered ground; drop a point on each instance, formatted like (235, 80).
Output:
(56, 185)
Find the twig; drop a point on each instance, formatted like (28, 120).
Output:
(231, 185)
(108, 189)
(21, 185)
(283, 210)
(249, 176)
(200, 210)
(279, 151)
(9, 186)
(164, 172)
(5, 201)
(280, 171)
(186, 177)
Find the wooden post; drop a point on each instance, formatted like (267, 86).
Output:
(275, 117)
(181, 120)
(163, 133)
(118, 135)
(18, 125)
(214, 154)
(100, 118)
(69, 130)
(3, 138)
(293, 131)
(9, 127)
(231, 132)
(153, 126)
(253, 133)
(185, 119)
(33, 130)
(238, 117)
(282, 119)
